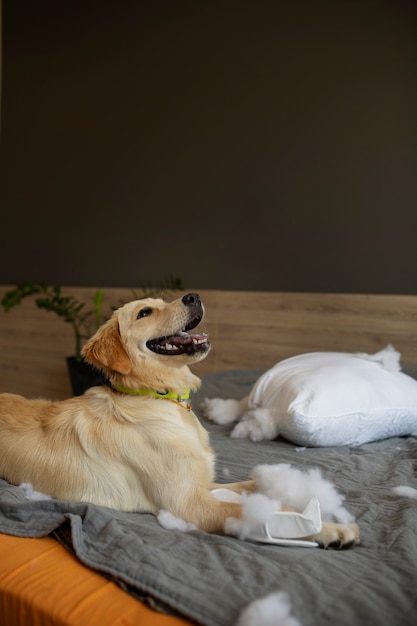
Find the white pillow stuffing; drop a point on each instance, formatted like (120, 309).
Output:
(271, 610)
(331, 399)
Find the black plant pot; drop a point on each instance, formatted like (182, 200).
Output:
(83, 376)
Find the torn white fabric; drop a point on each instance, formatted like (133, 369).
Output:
(263, 521)
(256, 509)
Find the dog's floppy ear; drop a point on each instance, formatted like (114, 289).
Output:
(105, 348)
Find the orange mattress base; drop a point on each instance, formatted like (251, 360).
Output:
(42, 584)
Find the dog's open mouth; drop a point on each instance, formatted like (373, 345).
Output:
(181, 342)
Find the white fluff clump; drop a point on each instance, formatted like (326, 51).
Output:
(272, 610)
(408, 492)
(256, 508)
(295, 488)
(221, 411)
(170, 522)
(256, 424)
(389, 358)
(31, 494)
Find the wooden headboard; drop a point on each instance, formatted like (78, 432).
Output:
(247, 330)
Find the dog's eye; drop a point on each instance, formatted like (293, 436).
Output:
(144, 312)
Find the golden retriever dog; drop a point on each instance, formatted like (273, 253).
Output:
(134, 446)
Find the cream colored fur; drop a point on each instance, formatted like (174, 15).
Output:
(129, 452)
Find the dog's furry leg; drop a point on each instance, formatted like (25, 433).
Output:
(246, 486)
(337, 536)
(207, 512)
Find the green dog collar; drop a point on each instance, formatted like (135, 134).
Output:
(167, 395)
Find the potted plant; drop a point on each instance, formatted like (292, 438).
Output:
(84, 320)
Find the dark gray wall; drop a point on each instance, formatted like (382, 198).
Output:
(259, 144)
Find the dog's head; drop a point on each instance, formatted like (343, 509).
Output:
(147, 343)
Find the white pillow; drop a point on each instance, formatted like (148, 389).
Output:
(333, 399)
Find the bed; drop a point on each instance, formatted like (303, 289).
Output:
(72, 563)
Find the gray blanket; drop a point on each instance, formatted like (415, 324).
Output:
(211, 578)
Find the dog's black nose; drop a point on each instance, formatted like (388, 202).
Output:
(191, 299)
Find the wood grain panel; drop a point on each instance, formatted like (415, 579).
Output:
(247, 330)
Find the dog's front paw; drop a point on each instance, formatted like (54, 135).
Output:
(338, 536)
(221, 411)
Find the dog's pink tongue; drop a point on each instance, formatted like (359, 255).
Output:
(183, 338)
